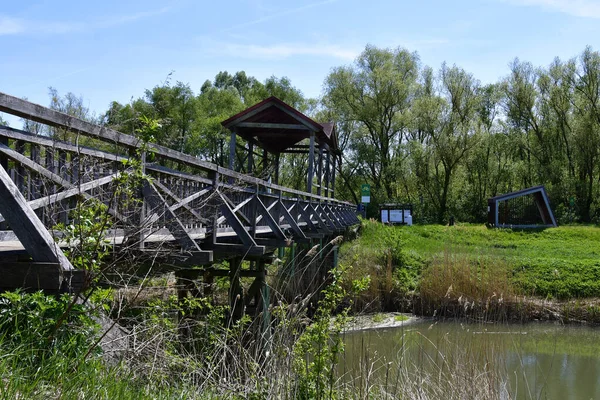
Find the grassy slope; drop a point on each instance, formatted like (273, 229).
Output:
(560, 262)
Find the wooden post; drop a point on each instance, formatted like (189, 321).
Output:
(250, 157)
(63, 215)
(327, 172)
(3, 158)
(232, 150)
(265, 163)
(277, 156)
(3, 164)
(311, 163)
(265, 300)
(320, 170)
(207, 279)
(236, 292)
(20, 170)
(334, 158)
(143, 206)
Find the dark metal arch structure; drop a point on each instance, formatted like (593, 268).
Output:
(501, 215)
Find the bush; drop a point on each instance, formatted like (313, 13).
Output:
(44, 331)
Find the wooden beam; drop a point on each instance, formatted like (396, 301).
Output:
(24, 136)
(269, 125)
(235, 209)
(305, 215)
(32, 234)
(190, 198)
(178, 174)
(33, 276)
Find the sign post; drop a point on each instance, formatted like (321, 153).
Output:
(365, 195)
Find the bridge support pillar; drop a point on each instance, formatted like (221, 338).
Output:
(236, 292)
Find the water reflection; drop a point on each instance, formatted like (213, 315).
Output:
(540, 361)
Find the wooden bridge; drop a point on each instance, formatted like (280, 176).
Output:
(187, 212)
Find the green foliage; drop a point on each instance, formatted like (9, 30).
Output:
(435, 138)
(48, 333)
(85, 235)
(381, 265)
(317, 349)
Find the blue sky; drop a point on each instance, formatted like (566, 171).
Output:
(114, 49)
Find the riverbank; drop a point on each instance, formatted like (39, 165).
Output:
(475, 272)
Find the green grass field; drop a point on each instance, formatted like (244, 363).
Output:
(561, 262)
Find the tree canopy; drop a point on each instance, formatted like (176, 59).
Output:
(439, 139)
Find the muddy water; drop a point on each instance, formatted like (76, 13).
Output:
(531, 361)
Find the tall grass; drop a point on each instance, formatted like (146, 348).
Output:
(456, 285)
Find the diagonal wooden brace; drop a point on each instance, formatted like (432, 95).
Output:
(235, 223)
(305, 215)
(298, 233)
(37, 168)
(32, 234)
(158, 205)
(262, 210)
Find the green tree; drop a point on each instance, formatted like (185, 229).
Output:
(376, 93)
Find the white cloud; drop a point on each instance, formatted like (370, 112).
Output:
(283, 50)
(578, 8)
(10, 26)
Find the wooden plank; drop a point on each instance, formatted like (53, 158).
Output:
(32, 234)
(157, 204)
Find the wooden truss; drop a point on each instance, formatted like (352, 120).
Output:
(191, 212)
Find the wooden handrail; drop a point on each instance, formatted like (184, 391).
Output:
(35, 112)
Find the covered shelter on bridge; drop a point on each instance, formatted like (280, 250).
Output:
(277, 128)
(527, 208)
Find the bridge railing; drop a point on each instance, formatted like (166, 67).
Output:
(199, 206)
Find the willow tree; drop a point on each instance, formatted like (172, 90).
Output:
(587, 131)
(452, 139)
(373, 96)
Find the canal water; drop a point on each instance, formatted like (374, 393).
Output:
(530, 361)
